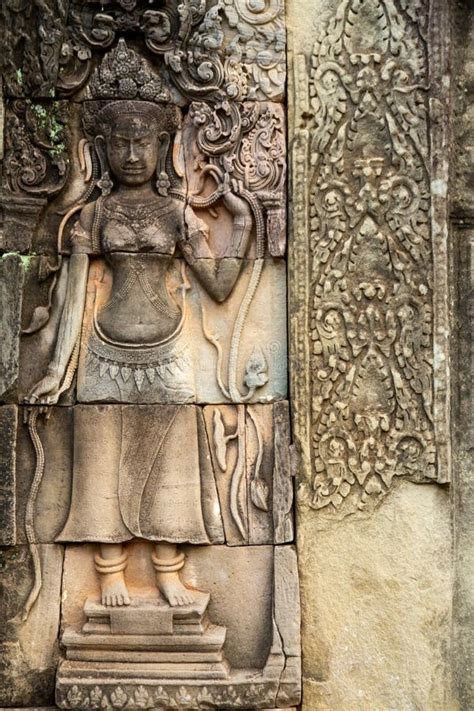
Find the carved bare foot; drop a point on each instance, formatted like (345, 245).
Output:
(167, 561)
(110, 565)
(114, 590)
(173, 589)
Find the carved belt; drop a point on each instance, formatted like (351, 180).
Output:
(168, 360)
(160, 353)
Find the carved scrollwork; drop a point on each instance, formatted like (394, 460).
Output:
(247, 142)
(36, 159)
(371, 310)
(233, 50)
(259, 43)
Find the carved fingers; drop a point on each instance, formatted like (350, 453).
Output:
(46, 392)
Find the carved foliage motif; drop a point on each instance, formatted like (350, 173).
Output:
(233, 49)
(35, 147)
(32, 33)
(120, 697)
(371, 268)
(246, 141)
(259, 43)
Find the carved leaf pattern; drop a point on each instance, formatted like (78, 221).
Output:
(182, 698)
(371, 256)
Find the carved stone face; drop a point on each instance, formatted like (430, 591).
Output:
(132, 149)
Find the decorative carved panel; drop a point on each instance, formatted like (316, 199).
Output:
(368, 309)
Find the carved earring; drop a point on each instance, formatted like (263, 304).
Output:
(104, 183)
(163, 182)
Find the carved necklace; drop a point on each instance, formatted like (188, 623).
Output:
(136, 216)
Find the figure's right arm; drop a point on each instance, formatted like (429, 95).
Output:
(46, 391)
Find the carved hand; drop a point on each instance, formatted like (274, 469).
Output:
(233, 203)
(46, 391)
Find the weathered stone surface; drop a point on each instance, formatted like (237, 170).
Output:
(463, 486)
(287, 619)
(8, 429)
(252, 471)
(156, 307)
(35, 167)
(258, 156)
(231, 366)
(45, 285)
(239, 579)
(462, 192)
(50, 501)
(462, 216)
(131, 478)
(254, 37)
(362, 581)
(11, 294)
(368, 271)
(29, 649)
(32, 34)
(370, 403)
(241, 44)
(255, 487)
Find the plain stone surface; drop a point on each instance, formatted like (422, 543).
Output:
(29, 650)
(376, 605)
(11, 294)
(462, 214)
(8, 429)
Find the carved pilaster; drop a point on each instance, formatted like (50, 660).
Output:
(368, 263)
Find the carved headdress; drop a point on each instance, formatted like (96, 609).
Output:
(124, 84)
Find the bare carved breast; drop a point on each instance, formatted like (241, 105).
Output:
(153, 226)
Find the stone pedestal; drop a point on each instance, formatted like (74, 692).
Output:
(160, 641)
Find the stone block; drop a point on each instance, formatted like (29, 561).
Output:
(377, 646)
(257, 154)
(32, 39)
(219, 351)
(32, 291)
(50, 501)
(255, 39)
(29, 647)
(462, 192)
(252, 595)
(249, 448)
(8, 434)
(11, 296)
(35, 167)
(240, 451)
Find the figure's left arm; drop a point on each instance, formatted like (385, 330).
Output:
(218, 276)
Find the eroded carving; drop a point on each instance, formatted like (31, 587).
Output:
(35, 166)
(232, 50)
(32, 34)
